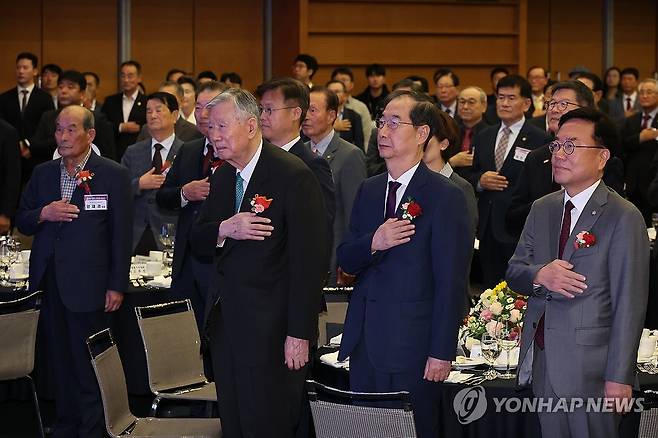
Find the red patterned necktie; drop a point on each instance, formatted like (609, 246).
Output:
(645, 121)
(564, 236)
(466, 144)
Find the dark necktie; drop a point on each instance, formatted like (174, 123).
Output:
(207, 159)
(645, 121)
(447, 111)
(24, 100)
(466, 144)
(157, 159)
(628, 104)
(391, 200)
(564, 236)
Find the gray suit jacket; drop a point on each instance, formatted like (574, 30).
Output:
(137, 159)
(593, 337)
(348, 167)
(185, 131)
(617, 106)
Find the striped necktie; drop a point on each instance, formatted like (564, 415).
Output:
(239, 191)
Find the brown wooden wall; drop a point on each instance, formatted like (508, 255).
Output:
(408, 36)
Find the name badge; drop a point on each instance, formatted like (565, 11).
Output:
(95, 202)
(521, 153)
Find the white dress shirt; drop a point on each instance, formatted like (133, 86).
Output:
(166, 146)
(626, 96)
(579, 202)
(404, 180)
(452, 108)
(286, 147)
(20, 95)
(127, 103)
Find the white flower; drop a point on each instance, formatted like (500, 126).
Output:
(515, 315)
(509, 306)
(496, 308)
(494, 328)
(510, 300)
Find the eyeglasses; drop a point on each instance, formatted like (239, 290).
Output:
(268, 111)
(568, 147)
(392, 124)
(562, 105)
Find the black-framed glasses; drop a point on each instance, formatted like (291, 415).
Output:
(268, 111)
(562, 105)
(392, 124)
(568, 147)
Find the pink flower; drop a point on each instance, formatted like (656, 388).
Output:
(494, 328)
(486, 315)
(515, 315)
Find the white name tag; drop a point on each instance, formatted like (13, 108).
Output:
(521, 153)
(137, 270)
(95, 202)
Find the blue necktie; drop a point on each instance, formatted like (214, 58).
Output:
(239, 192)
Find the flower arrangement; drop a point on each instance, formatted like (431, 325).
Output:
(495, 307)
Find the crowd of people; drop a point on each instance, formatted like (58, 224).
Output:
(297, 186)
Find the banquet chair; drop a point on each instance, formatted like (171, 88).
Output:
(649, 416)
(18, 333)
(335, 314)
(172, 346)
(119, 421)
(335, 416)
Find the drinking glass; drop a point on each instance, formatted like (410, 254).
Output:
(508, 335)
(490, 351)
(167, 237)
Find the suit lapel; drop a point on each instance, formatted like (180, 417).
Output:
(521, 141)
(415, 185)
(330, 152)
(590, 214)
(555, 222)
(173, 150)
(136, 106)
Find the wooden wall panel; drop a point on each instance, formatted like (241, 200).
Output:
(229, 37)
(82, 35)
(635, 35)
(538, 33)
(19, 32)
(162, 38)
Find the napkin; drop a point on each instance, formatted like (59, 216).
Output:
(160, 281)
(458, 377)
(336, 340)
(331, 359)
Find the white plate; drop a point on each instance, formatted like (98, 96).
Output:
(468, 363)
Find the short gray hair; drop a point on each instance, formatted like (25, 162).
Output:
(88, 121)
(648, 81)
(245, 103)
(483, 95)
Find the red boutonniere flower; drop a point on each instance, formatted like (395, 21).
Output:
(167, 165)
(584, 239)
(260, 203)
(411, 210)
(82, 178)
(214, 164)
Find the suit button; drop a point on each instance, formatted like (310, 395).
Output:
(549, 298)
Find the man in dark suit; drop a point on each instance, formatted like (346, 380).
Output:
(347, 162)
(23, 105)
(538, 80)
(628, 103)
(71, 91)
(268, 273)
(10, 174)
(640, 144)
(90, 102)
(499, 154)
(185, 131)
(447, 91)
(126, 110)
(536, 177)
(403, 317)
(184, 190)
(348, 122)
(80, 259)
(284, 104)
(148, 162)
(471, 105)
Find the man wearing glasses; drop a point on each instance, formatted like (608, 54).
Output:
(410, 247)
(499, 153)
(583, 260)
(536, 178)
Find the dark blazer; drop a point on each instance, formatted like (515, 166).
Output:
(637, 159)
(493, 205)
(138, 160)
(187, 167)
(407, 311)
(185, 131)
(268, 289)
(355, 134)
(26, 124)
(91, 254)
(44, 145)
(320, 168)
(113, 109)
(617, 108)
(10, 169)
(375, 164)
(536, 181)
(539, 122)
